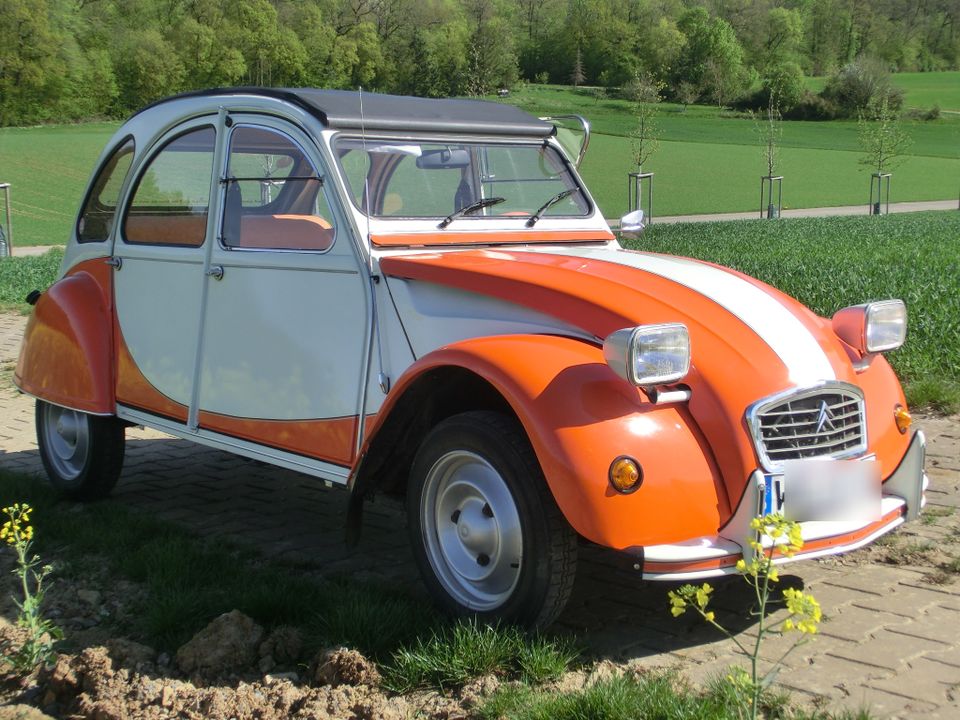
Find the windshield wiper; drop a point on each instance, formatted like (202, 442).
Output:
(550, 203)
(471, 208)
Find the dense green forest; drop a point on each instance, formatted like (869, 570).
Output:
(73, 59)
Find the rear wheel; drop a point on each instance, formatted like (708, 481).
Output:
(487, 534)
(82, 454)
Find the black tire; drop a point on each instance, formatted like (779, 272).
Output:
(82, 454)
(455, 497)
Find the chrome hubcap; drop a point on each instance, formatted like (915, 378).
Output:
(471, 530)
(67, 437)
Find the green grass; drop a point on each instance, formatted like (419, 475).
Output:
(651, 697)
(829, 263)
(189, 581)
(923, 90)
(20, 275)
(711, 161)
(48, 168)
(467, 650)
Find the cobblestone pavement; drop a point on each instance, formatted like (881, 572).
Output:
(891, 641)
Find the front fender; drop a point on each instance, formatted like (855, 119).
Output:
(579, 417)
(66, 356)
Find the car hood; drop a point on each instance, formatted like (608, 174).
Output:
(748, 340)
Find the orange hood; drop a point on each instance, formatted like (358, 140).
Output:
(748, 340)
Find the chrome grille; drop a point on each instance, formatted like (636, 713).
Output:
(824, 422)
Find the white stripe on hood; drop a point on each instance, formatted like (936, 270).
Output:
(777, 326)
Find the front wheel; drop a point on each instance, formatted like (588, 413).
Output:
(488, 536)
(82, 454)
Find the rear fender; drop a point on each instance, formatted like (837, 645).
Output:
(66, 357)
(579, 417)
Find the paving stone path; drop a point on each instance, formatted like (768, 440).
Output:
(891, 640)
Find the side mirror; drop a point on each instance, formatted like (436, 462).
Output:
(631, 224)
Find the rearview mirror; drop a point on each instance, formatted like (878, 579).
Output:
(443, 159)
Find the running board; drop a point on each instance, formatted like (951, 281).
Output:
(325, 471)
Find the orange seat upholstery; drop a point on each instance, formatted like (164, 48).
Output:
(166, 229)
(278, 232)
(286, 232)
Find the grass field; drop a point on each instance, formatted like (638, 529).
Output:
(48, 168)
(922, 90)
(709, 161)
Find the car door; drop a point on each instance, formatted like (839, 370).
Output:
(285, 333)
(159, 253)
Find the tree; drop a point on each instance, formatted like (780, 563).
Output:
(861, 85)
(712, 58)
(147, 69)
(645, 138)
(686, 94)
(882, 138)
(576, 76)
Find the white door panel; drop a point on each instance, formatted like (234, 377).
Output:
(158, 308)
(283, 344)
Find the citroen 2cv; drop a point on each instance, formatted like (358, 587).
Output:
(420, 297)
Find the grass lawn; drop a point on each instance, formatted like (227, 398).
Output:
(693, 178)
(922, 90)
(709, 160)
(48, 168)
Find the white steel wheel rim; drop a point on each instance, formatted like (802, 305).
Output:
(67, 436)
(471, 530)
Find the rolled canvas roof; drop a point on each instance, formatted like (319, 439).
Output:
(341, 109)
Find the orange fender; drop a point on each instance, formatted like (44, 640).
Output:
(66, 356)
(580, 417)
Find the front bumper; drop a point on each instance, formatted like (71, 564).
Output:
(710, 556)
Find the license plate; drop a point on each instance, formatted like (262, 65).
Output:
(835, 490)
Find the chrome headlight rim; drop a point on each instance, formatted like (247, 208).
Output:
(621, 348)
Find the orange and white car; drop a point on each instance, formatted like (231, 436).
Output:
(420, 297)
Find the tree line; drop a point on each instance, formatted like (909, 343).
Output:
(76, 59)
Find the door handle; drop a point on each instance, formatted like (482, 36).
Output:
(216, 272)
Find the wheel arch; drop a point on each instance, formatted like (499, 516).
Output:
(577, 414)
(66, 357)
(420, 402)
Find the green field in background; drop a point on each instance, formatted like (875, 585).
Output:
(694, 178)
(921, 89)
(709, 160)
(48, 168)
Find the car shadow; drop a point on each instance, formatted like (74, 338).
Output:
(294, 519)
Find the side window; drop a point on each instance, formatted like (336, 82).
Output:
(274, 195)
(96, 218)
(172, 196)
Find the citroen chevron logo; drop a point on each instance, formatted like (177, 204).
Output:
(825, 418)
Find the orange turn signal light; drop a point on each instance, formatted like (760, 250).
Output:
(625, 474)
(903, 418)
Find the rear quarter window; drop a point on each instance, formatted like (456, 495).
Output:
(100, 208)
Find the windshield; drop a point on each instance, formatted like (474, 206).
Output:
(429, 179)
